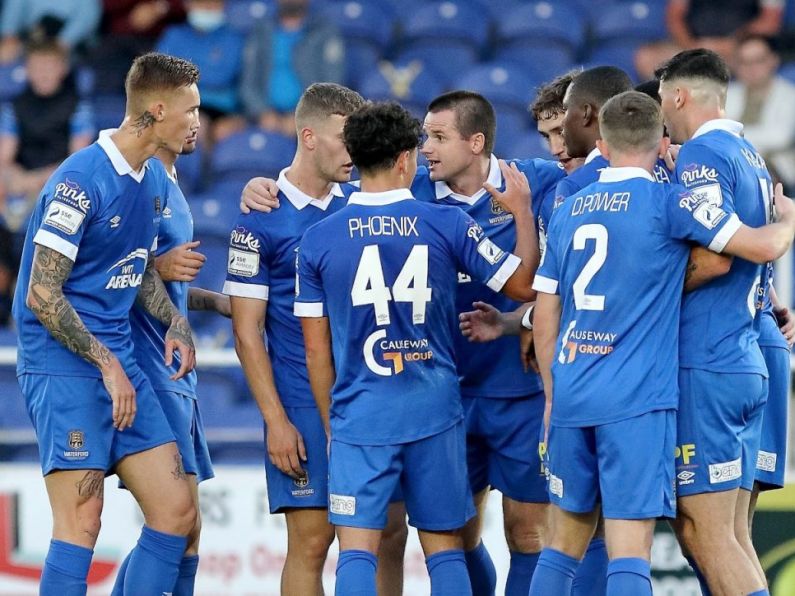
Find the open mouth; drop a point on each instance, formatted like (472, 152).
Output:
(432, 163)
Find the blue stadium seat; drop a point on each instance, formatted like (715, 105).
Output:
(527, 146)
(213, 274)
(545, 63)
(189, 171)
(624, 21)
(215, 211)
(511, 126)
(411, 83)
(617, 53)
(252, 152)
(12, 80)
(453, 22)
(13, 412)
(244, 15)
(438, 56)
(542, 25)
(367, 27)
(788, 71)
(108, 110)
(211, 330)
(507, 86)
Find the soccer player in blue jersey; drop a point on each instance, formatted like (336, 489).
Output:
(86, 258)
(723, 378)
(394, 412)
(261, 283)
(177, 262)
(609, 293)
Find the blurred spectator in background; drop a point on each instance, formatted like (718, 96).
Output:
(8, 268)
(130, 28)
(765, 104)
(710, 24)
(283, 57)
(71, 22)
(217, 49)
(41, 126)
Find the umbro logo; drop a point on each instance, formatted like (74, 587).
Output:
(115, 221)
(167, 213)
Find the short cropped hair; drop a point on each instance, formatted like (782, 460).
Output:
(631, 122)
(650, 88)
(377, 133)
(596, 85)
(695, 64)
(473, 114)
(549, 99)
(159, 72)
(321, 100)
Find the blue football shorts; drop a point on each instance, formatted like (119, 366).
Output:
(771, 461)
(502, 441)
(718, 430)
(431, 473)
(310, 491)
(73, 420)
(627, 465)
(184, 417)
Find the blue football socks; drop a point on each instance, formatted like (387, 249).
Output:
(154, 563)
(356, 573)
(186, 580)
(554, 574)
(448, 571)
(482, 574)
(520, 573)
(591, 576)
(65, 570)
(629, 577)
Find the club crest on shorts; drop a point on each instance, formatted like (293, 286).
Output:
(302, 481)
(76, 439)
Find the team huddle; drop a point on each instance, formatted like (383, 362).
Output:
(596, 337)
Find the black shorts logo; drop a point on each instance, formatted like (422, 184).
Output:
(76, 439)
(303, 481)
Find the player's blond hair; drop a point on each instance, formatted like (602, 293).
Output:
(631, 122)
(321, 100)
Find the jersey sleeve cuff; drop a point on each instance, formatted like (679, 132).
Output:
(546, 285)
(241, 290)
(725, 234)
(308, 309)
(56, 243)
(508, 267)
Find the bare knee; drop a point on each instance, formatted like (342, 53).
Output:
(393, 540)
(525, 526)
(177, 515)
(86, 522)
(193, 537)
(311, 546)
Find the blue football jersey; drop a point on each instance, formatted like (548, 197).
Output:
(261, 264)
(149, 334)
(384, 270)
(720, 167)
(491, 370)
(100, 213)
(616, 255)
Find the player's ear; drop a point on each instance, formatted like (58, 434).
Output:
(681, 95)
(604, 149)
(478, 142)
(588, 114)
(307, 138)
(158, 109)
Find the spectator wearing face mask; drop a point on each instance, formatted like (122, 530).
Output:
(763, 102)
(217, 49)
(283, 57)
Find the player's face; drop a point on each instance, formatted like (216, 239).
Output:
(571, 126)
(447, 151)
(331, 156)
(179, 128)
(671, 114)
(551, 129)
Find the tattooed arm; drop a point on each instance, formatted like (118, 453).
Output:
(703, 266)
(46, 300)
(200, 299)
(153, 297)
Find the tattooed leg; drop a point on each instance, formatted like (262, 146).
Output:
(76, 498)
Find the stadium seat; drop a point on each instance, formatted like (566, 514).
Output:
(438, 56)
(189, 171)
(213, 274)
(367, 27)
(507, 86)
(12, 80)
(108, 110)
(252, 152)
(211, 330)
(411, 83)
(454, 23)
(215, 211)
(545, 63)
(625, 21)
(553, 26)
(244, 15)
(512, 125)
(527, 146)
(617, 53)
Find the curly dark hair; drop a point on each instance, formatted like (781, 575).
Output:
(377, 133)
(549, 99)
(159, 72)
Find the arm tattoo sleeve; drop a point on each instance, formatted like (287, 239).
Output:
(153, 297)
(45, 298)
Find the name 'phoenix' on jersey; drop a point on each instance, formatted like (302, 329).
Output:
(396, 290)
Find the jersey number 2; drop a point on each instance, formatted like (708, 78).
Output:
(597, 233)
(411, 284)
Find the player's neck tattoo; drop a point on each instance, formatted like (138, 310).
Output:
(143, 121)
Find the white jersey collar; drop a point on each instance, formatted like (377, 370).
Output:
(494, 178)
(116, 158)
(730, 126)
(593, 155)
(625, 173)
(380, 198)
(300, 199)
